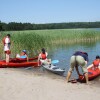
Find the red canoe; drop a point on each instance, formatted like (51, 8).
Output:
(3, 64)
(22, 59)
(92, 73)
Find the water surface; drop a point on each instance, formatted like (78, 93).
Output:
(63, 53)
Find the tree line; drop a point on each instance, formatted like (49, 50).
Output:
(15, 26)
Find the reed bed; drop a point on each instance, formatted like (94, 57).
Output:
(34, 40)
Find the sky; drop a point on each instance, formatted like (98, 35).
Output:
(49, 11)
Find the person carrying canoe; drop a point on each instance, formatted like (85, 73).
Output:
(95, 63)
(22, 55)
(79, 58)
(7, 42)
(42, 58)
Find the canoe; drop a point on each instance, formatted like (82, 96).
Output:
(92, 74)
(11, 64)
(22, 59)
(53, 68)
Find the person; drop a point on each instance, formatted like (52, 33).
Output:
(95, 63)
(7, 43)
(22, 55)
(42, 58)
(79, 58)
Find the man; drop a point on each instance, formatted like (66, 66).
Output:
(7, 43)
(78, 59)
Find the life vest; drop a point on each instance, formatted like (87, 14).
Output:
(96, 63)
(24, 56)
(43, 56)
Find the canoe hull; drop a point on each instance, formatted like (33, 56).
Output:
(54, 69)
(19, 60)
(92, 74)
(3, 64)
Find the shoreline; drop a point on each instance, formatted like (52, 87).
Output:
(20, 84)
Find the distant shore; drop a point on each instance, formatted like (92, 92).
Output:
(20, 84)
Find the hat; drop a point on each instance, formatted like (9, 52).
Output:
(24, 51)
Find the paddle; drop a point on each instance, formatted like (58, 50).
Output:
(55, 61)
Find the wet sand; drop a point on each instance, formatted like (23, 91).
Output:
(21, 84)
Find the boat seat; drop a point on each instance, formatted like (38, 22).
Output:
(55, 67)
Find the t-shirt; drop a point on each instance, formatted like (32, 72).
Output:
(7, 40)
(7, 44)
(81, 54)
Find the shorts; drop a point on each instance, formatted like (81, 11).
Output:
(46, 61)
(8, 52)
(79, 60)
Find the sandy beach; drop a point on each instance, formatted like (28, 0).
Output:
(16, 84)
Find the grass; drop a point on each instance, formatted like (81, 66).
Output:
(34, 40)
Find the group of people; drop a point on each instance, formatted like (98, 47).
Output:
(79, 58)
(42, 58)
(7, 43)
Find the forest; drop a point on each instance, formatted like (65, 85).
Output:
(16, 26)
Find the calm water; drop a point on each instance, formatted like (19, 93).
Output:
(97, 29)
(63, 53)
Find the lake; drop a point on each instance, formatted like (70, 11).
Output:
(63, 53)
(97, 29)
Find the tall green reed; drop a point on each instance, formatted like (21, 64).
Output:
(34, 40)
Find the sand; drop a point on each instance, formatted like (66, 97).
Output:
(16, 84)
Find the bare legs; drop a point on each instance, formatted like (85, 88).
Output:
(7, 58)
(86, 77)
(68, 76)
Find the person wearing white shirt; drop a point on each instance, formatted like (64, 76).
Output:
(7, 43)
